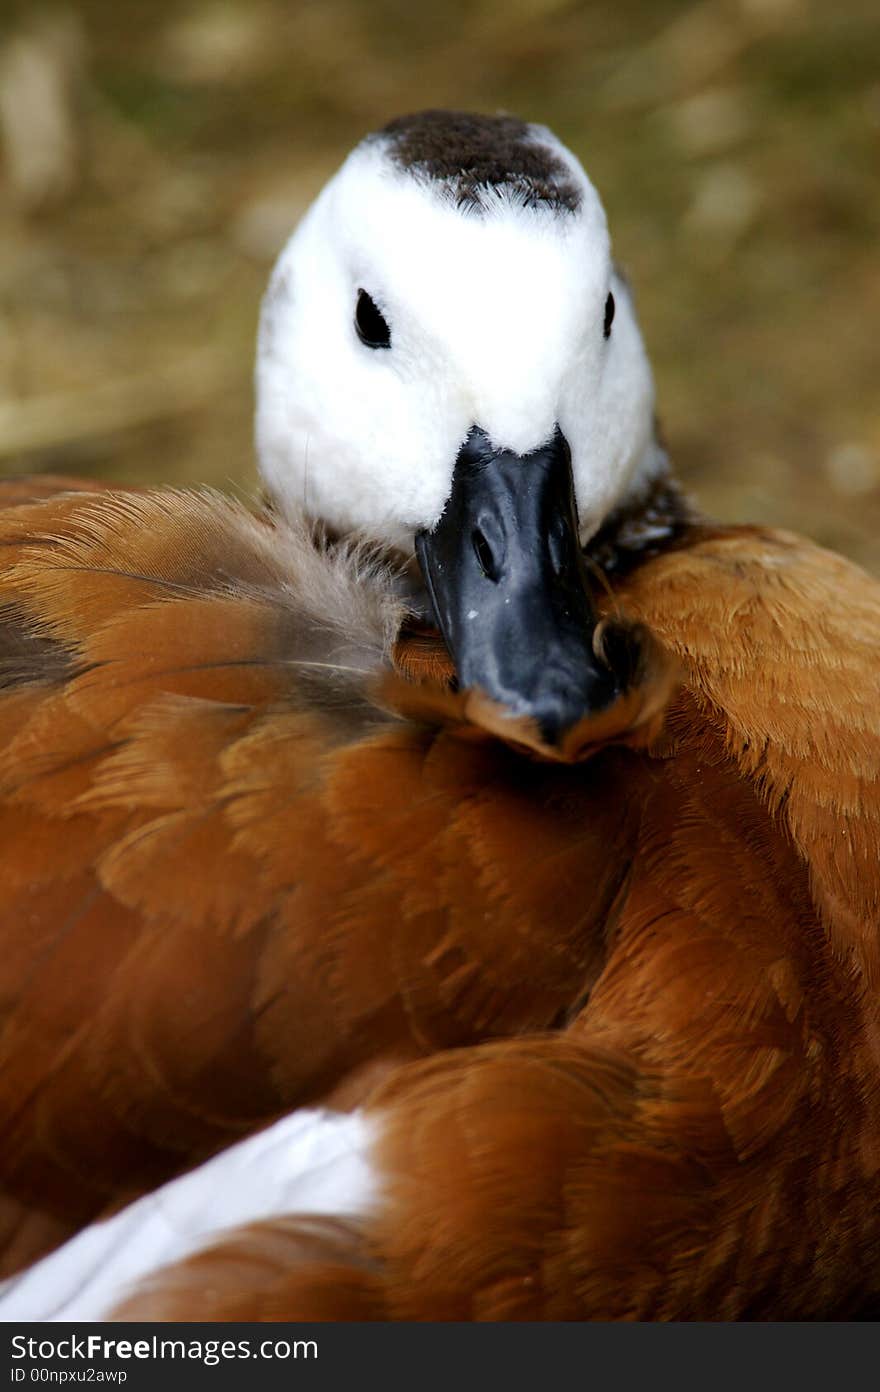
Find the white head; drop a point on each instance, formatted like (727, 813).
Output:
(484, 247)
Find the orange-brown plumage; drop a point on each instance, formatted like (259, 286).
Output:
(231, 887)
(635, 995)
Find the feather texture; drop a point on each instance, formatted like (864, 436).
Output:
(236, 880)
(304, 1162)
(614, 1018)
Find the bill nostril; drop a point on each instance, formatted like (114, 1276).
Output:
(485, 555)
(556, 550)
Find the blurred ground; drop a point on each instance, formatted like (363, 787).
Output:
(155, 155)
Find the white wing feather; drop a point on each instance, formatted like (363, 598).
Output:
(310, 1162)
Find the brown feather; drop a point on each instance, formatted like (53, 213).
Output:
(256, 1269)
(637, 989)
(238, 879)
(703, 1139)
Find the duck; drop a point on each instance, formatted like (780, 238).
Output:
(449, 892)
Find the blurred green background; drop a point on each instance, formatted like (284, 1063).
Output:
(156, 154)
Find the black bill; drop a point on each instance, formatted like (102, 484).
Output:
(506, 577)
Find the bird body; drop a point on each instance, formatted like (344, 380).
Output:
(305, 1162)
(514, 808)
(250, 886)
(240, 881)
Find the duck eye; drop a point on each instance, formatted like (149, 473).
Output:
(370, 323)
(609, 315)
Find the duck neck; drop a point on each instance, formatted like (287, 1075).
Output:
(650, 521)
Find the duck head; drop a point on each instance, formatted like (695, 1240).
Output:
(449, 365)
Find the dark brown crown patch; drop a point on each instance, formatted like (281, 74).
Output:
(472, 155)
